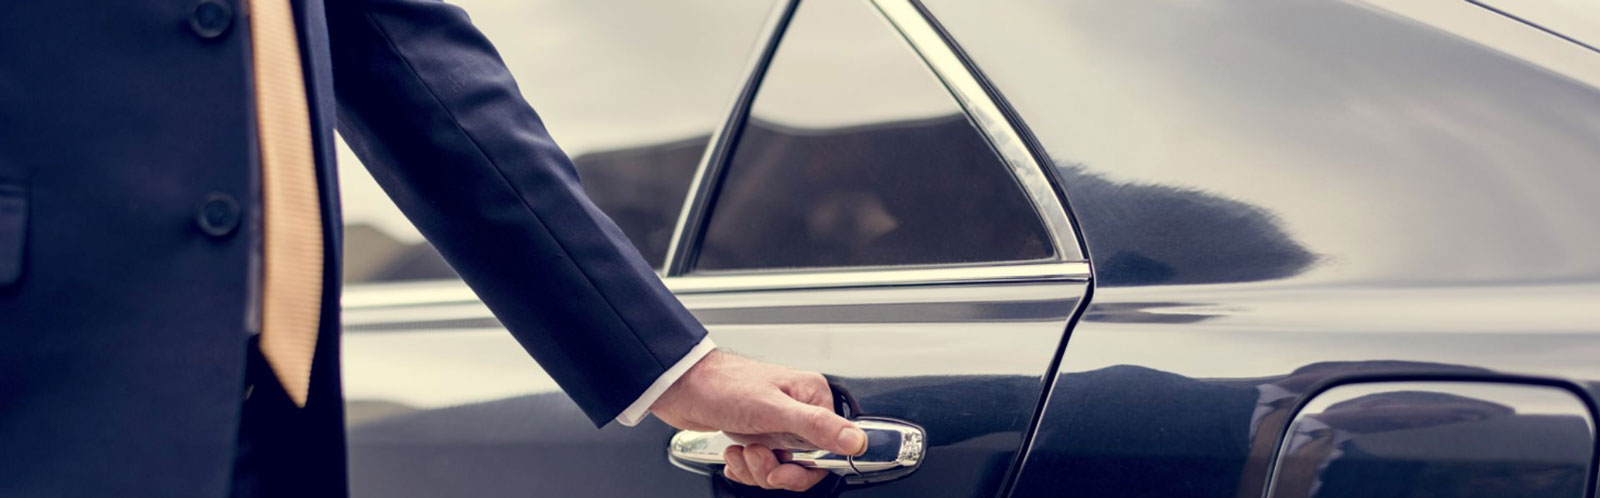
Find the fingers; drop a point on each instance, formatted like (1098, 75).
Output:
(736, 469)
(760, 462)
(810, 388)
(822, 428)
(756, 465)
(795, 478)
(814, 419)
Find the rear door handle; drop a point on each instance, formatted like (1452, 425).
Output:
(895, 448)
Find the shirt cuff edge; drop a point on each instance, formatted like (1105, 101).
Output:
(640, 408)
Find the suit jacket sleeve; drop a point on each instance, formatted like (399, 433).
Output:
(429, 107)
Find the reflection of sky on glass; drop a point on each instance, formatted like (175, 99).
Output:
(1392, 150)
(842, 64)
(603, 74)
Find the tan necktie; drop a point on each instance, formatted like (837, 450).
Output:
(291, 298)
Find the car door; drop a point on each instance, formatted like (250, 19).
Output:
(866, 211)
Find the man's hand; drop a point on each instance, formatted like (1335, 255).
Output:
(762, 405)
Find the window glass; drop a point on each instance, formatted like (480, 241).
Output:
(631, 90)
(856, 155)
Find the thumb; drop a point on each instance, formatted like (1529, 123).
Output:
(822, 428)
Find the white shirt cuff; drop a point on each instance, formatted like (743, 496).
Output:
(640, 408)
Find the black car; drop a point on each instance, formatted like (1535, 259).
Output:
(1219, 248)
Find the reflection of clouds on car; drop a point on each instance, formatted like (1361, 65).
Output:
(387, 259)
(801, 197)
(830, 197)
(1387, 411)
(1141, 234)
(640, 188)
(1320, 448)
(1215, 437)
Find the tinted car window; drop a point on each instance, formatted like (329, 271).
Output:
(630, 90)
(856, 155)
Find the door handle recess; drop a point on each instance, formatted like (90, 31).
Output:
(895, 448)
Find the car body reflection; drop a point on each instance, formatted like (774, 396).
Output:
(1465, 439)
(1143, 432)
(1274, 198)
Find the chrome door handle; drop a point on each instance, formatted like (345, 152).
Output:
(895, 448)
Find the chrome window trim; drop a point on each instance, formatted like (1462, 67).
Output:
(941, 58)
(455, 292)
(708, 174)
(881, 277)
(991, 120)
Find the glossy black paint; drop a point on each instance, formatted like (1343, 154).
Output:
(1286, 194)
(1453, 437)
(1316, 141)
(965, 362)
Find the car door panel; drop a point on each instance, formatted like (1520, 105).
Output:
(442, 401)
(965, 361)
(962, 361)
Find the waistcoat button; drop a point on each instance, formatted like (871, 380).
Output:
(218, 215)
(211, 18)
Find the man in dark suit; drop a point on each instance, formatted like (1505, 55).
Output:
(169, 234)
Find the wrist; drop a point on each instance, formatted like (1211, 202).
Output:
(645, 404)
(686, 382)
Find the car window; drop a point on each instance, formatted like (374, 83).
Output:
(854, 154)
(630, 90)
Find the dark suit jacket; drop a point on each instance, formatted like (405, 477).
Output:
(126, 282)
